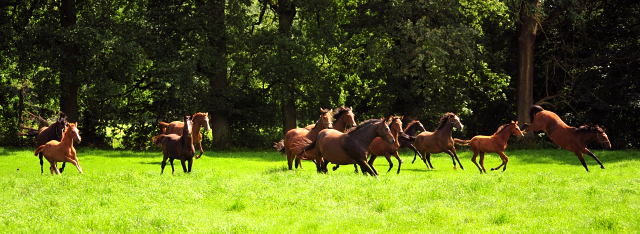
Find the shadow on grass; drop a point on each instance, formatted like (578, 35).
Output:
(562, 156)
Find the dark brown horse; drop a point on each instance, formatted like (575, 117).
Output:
(380, 147)
(199, 120)
(570, 138)
(61, 151)
(176, 146)
(55, 131)
(440, 140)
(332, 146)
(411, 130)
(300, 135)
(495, 143)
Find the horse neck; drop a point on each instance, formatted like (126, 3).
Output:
(340, 125)
(587, 136)
(446, 130)
(411, 129)
(319, 127)
(197, 124)
(67, 138)
(503, 136)
(365, 136)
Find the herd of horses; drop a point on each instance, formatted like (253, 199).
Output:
(323, 144)
(342, 141)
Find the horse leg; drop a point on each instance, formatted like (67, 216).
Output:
(372, 158)
(335, 167)
(453, 158)
(173, 170)
(365, 167)
(55, 168)
(594, 157)
(427, 158)
(416, 152)
(298, 162)
(163, 164)
(41, 163)
(457, 159)
(290, 157)
(75, 163)
(184, 166)
(399, 161)
(473, 159)
(201, 151)
(62, 168)
(190, 164)
(319, 161)
(505, 159)
(482, 162)
(579, 155)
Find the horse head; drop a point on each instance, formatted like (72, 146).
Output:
(188, 124)
(516, 130)
(602, 137)
(72, 131)
(384, 132)
(349, 117)
(326, 117)
(61, 125)
(455, 121)
(205, 120)
(395, 124)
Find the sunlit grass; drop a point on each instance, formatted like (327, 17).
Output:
(254, 192)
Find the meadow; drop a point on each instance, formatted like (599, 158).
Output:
(542, 191)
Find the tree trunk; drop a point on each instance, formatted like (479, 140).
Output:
(68, 83)
(220, 126)
(526, 40)
(286, 12)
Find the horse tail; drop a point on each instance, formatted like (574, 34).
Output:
(301, 148)
(38, 150)
(461, 142)
(407, 137)
(279, 146)
(158, 139)
(534, 110)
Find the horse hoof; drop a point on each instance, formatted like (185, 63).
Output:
(493, 169)
(602, 167)
(455, 168)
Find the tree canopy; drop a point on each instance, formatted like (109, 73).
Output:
(261, 67)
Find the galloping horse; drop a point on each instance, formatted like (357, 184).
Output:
(411, 130)
(176, 146)
(199, 119)
(61, 151)
(570, 138)
(440, 140)
(298, 135)
(347, 148)
(495, 143)
(379, 146)
(55, 131)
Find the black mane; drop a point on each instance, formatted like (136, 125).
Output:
(590, 128)
(339, 112)
(363, 124)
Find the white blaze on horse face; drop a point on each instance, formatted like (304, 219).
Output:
(75, 130)
(459, 122)
(206, 120)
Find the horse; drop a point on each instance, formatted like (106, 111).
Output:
(412, 128)
(379, 146)
(55, 131)
(495, 143)
(176, 146)
(199, 119)
(565, 136)
(347, 148)
(61, 151)
(440, 140)
(298, 135)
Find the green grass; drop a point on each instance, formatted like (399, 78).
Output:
(253, 192)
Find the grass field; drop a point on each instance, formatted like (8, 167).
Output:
(542, 191)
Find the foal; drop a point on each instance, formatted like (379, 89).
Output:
(61, 151)
(495, 143)
(175, 146)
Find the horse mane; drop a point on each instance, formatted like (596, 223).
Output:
(339, 112)
(445, 119)
(589, 128)
(363, 124)
(502, 128)
(411, 124)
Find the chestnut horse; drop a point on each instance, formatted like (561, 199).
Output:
(347, 148)
(411, 130)
(176, 146)
(61, 151)
(300, 135)
(495, 143)
(570, 138)
(199, 119)
(380, 147)
(55, 131)
(440, 140)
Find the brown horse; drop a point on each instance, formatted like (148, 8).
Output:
(495, 143)
(299, 135)
(440, 140)
(570, 138)
(348, 148)
(380, 147)
(61, 151)
(199, 119)
(176, 146)
(55, 131)
(411, 130)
